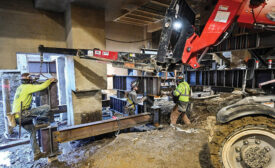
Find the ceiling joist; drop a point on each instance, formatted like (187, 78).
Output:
(159, 4)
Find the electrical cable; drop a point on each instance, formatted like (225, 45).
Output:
(118, 41)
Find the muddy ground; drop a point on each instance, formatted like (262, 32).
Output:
(157, 148)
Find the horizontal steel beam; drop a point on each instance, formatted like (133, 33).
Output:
(246, 41)
(15, 143)
(228, 78)
(100, 127)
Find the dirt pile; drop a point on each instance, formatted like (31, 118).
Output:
(154, 149)
(209, 107)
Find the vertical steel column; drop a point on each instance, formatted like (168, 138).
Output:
(145, 94)
(49, 146)
(155, 111)
(6, 105)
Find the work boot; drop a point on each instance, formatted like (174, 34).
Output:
(179, 129)
(173, 126)
(38, 155)
(176, 127)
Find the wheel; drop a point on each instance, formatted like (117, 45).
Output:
(248, 142)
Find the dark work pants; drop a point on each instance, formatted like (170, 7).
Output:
(27, 124)
(129, 111)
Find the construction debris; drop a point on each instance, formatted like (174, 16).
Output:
(186, 147)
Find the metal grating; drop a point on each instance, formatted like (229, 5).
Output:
(149, 13)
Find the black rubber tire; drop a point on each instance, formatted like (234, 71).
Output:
(223, 131)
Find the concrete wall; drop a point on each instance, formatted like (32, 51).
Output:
(85, 28)
(23, 28)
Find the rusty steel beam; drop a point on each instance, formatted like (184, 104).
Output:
(100, 127)
(13, 144)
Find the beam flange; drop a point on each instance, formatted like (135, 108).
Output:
(100, 127)
(246, 41)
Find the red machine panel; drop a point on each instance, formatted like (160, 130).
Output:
(219, 21)
(110, 55)
(260, 12)
(224, 14)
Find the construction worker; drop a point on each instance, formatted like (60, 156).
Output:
(24, 94)
(132, 100)
(181, 98)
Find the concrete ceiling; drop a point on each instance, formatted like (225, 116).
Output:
(114, 8)
(136, 12)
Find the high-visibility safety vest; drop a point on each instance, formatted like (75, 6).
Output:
(130, 103)
(183, 90)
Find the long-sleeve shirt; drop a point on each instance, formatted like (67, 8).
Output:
(24, 94)
(132, 99)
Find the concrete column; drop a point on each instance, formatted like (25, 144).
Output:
(84, 78)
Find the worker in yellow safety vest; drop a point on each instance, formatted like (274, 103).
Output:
(181, 98)
(132, 100)
(24, 94)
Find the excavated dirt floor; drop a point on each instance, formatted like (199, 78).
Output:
(157, 148)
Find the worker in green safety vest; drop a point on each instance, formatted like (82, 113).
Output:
(132, 100)
(181, 98)
(24, 95)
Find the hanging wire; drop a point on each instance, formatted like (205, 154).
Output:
(119, 41)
